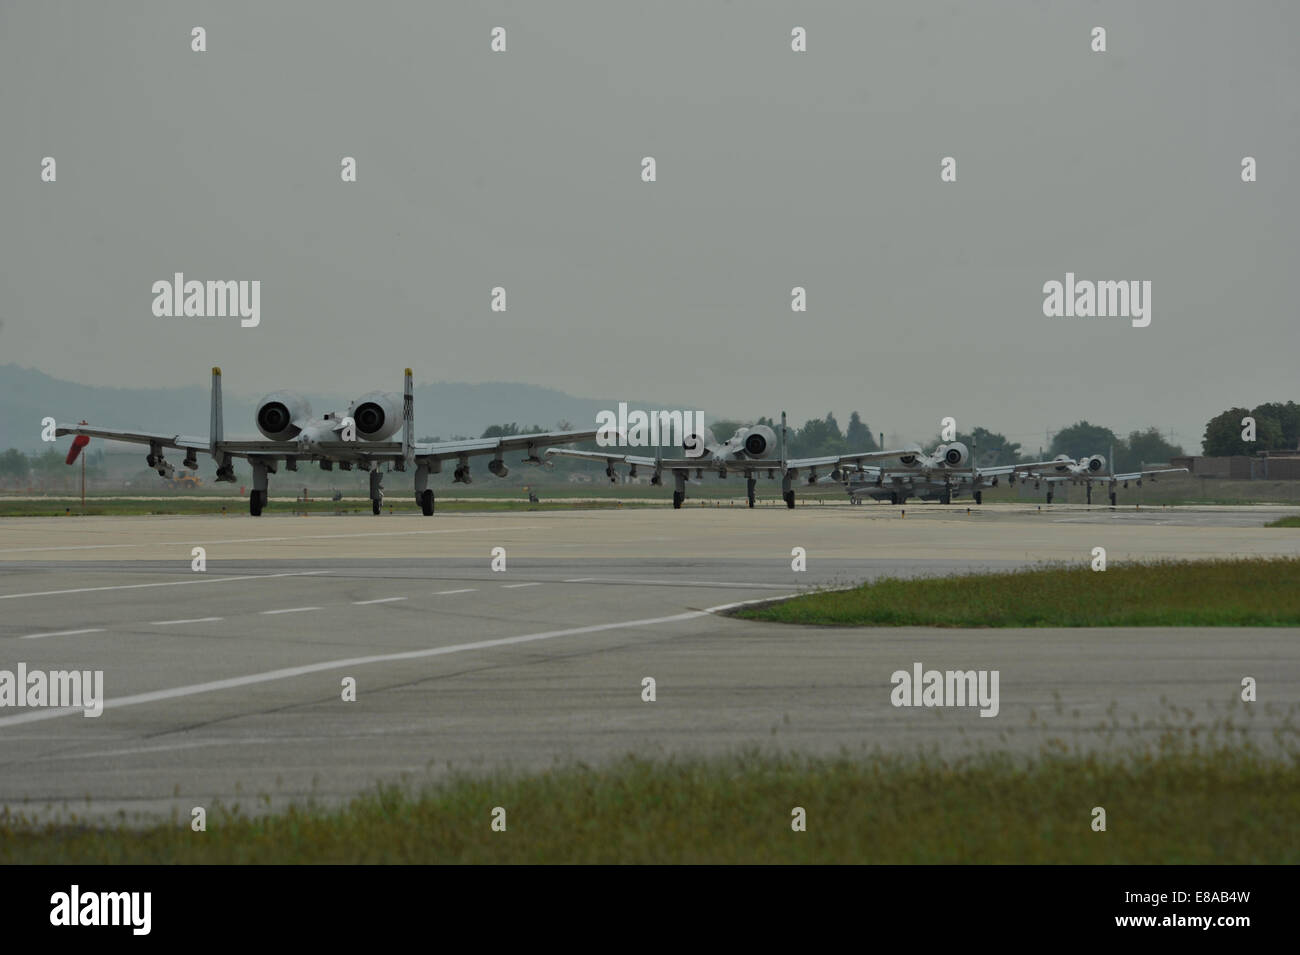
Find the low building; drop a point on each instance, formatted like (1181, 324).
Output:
(1267, 465)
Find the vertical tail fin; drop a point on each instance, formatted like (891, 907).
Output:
(781, 440)
(216, 423)
(408, 418)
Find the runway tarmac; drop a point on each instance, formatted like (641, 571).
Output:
(226, 685)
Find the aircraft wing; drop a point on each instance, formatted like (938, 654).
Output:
(252, 447)
(707, 462)
(998, 470)
(392, 450)
(1033, 469)
(181, 442)
(531, 443)
(331, 450)
(740, 464)
(1050, 478)
(835, 460)
(901, 473)
(638, 459)
(1138, 475)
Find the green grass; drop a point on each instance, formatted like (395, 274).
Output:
(1225, 804)
(1293, 521)
(1262, 592)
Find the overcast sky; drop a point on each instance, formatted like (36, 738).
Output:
(775, 169)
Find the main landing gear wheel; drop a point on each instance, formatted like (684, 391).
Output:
(789, 498)
(945, 498)
(1049, 497)
(1113, 497)
(979, 497)
(425, 500)
(678, 497)
(893, 497)
(375, 505)
(749, 491)
(256, 501)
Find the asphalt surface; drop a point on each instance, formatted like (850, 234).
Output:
(226, 684)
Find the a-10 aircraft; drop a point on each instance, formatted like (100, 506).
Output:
(944, 474)
(748, 452)
(947, 473)
(1085, 471)
(364, 438)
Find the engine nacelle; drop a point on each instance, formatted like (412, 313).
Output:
(378, 415)
(1062, 462)
(911, 457)
(1096, 464)
(698, 443)
(955, 455)
(759, 440)
(281, 414)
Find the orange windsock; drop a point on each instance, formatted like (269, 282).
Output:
(79, 442)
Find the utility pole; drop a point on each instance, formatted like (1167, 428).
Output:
(83, 482)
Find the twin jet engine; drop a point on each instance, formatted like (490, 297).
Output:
(284, 416)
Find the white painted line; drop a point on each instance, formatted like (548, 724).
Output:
(378, 600)
(194, 689)
(676, 583)
(467, 590)
(172, 747)
(61, 633)
(168, 623)
(164, 583)
(290, 610)
(263, 540)
(24, 550)
(513, 586)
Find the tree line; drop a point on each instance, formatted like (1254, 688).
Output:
(1277, 428)
(16, 466)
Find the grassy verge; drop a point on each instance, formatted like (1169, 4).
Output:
(1225, 805)
(1221, 593)
(1285, 522)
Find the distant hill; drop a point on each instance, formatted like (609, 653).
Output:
(442, 409)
